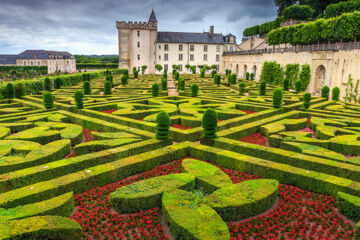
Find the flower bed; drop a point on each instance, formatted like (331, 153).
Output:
(299, 214)
(256, 138)
(182, 127)
(109, 111)
(247, 111)
(87, 138)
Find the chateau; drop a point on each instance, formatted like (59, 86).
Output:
(54, 60)
(140, 43)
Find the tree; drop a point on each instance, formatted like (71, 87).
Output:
(87, 88)
(305, 76)
(143, 69)
(193, 69)
(262, 90)
(19, 90)
(272, 73)
(286, 84)
(124, 80)
(107, 88)
(242, 87)
(335, 94)
(164, 84)
(79, 99)
(159, 67)
(109, 78)
(209, 123)
(214, 66)
(282, 4)
(163, 126)
(48, 100)
(181, 84)
(57, 83)
(155, 90)
(298, 12)
(213, 72)
(217, 79)
(47, 84)
(298, 86)
(277, 98)
(194, 90)
(10, 91)
(307, 100)
(252, 76)
(247, 76)
(187, 66)
(136, 74)
(202, 73)
(325, 91)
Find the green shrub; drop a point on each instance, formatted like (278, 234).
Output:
(337, 9)
(247, 76)
(209, 123)
(48, 100)
(277, 98)
(155, 90)
(242, 87)
(19, 90)
(307, 100)
(87, 88)
(298, 86)
(136, 74)
(232, 78)
(217, 79)
(163, 126)
(193, 69)
(298, 12)
(107, 88)
(79, 96)
(286, 84)
(194, 90)
(325, 91)
(143, 69)
(305, 76)
(292, 73)
(182, 84)
(109, 78)
(176, 76)
(47, 84)
(10, 91)
(124, 80)
(252, 76)
(262, 90)
(335, 94)
(349, 205)
(164, 84)
(202, 73)
(57, 83)
(213, 72)
(272, 73)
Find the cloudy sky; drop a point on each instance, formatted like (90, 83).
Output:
(88, 26)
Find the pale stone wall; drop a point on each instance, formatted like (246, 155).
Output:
(64, 65)
(331, 68)
(145, 50)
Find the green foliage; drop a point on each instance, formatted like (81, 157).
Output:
(202, 73)
(217, 79)
(352, 92)
(136, 74)
(337, 9)
(272, 73)
(107, 88)
(124, 80)
(277, 98)
(143, 69)
(181, 84)
(298, 12)
(158, 67)
(247, 76)
(227, 72)
(163, 125)
(262, 90)
(262, 29)
(48, 100)
(164, 84)
(194, 90)
(305, 76)
(232, 78)
(292, 73)
(336, 94)
(176, 76)
(155, 90)
(349, 205)
(251, 31)
(213, 72)
(109, 78)
(193, 69)
(19, 90)
(298, 86)
(47, 84)
(79, 96)
(252, 76)
(10, 91)
(286, 84)
(87, 88)
(325, 92)
(242, 87)
(57, 83)
(307, 100)
(209, 123)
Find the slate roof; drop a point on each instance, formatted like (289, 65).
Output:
(183, 37)
(42, 54)
(152, 18)
(8, 59)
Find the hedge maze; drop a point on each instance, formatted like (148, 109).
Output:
(100, 172)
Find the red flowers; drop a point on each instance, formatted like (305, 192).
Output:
(182, 127)
(109, 111)
(87, 138)
(256, 138)
(247, 111)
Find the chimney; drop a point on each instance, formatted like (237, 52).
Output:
(211, 31)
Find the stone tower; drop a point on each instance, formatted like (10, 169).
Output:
(137, 42)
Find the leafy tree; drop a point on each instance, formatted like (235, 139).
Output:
(47, 84)
(155, 90)
(194, 90)
(202, 73)
(19, 90)
(87, 88)
(298, 12)
(10, 91)
(247, 76)
(277, 98)
(164, 84)
(143, 69)
(187, 66)
(79, 96)
(272, 73)
(305, 76)
(109, 78)
(213, 73)
(298, 86)
(48, 100)
(209, 123)
(282, 4)
(286, 84)
(262, 90)
(57, 83)
(159, 67)
(252, 76)
(292, 73)
(181, 84)
(124, 80)
(193, 69)
(307, 100)
(242, 87)
(325, 91)
(163, 126)
(176, 76)
(214, 66)
(217, 79)
(136, 74)
(107, 88)
(336, 94)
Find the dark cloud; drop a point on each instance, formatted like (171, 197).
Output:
(88, 26)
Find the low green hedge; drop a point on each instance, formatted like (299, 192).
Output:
(349, 205)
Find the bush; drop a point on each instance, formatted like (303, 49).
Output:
(47, 84)
(48, 100)
(252, 76)
(57, 83)
(10, 91)
(107, 88)
(181, 84)
(213, 72)
(163, 126)
(232, 78)
(305, 76)
(87, 88)
(109, 78)
(202, 73)
(247, 76)
(193, 69)
(262, 90)
(164, 84)
(286, 84)
(242, 87)
(136, 74)
(298, 86)
(277, 98)
(298, 12)
(335, 94)
(124, 80)
(176, 76)
(194, 90)
(209, 123)
(307, 100)
(217, 79)
(143, 69)
(262, 29)
(292, 73)
(79, 96)
(337, 9)
(155, 90)
(19, 90)
(325, 91)
(272, 73)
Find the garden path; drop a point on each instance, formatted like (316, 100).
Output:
(172, 91)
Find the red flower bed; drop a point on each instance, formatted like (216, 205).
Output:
(182, 127)
(299, 214)
(87, 138)
(109, 111)
(256, 138)
(247, 111)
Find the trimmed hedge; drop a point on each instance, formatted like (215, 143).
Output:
(163, 126)
(349, 205)
(48, 100)
(107, 88)
(325, 91)
(194, 90)
(277, 98)
(155, 90)
(307, 100)
(336, 94)
(209, 123)
(79, 96)
(337, 9)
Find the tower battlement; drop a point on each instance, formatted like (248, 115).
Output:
(136, 25)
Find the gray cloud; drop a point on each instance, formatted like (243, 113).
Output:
(88, 26)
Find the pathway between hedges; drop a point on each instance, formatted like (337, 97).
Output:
(172, 91)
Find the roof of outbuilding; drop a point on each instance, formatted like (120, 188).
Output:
(8, 59)
(184, 37)
(43, 54)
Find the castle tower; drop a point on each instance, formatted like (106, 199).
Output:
(137, 44)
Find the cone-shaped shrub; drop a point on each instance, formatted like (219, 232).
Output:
(163, 126)
(277, 98)
(194, 90)
(19, 90)
(286, 84)
(325, 91)
(10, 91)
(182, 84)
(335, 94)
(110, 78)
(209, 123)
(124, 80)
(107, 88)
(307, 100)
(164, 84)
(79, 96)
(217, 79)
(262, 90)
(48, 100)
(252, 76)
(213, 72)
(47, 84)
(242, 87)
(298, 86)
(247, 76)
(202, 73)
(233, 79)
(87, 88)
(136, 74)
(57, 83)
(176, 76)
(155, 90)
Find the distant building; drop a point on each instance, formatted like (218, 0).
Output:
(54, 60)
(141, 44)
